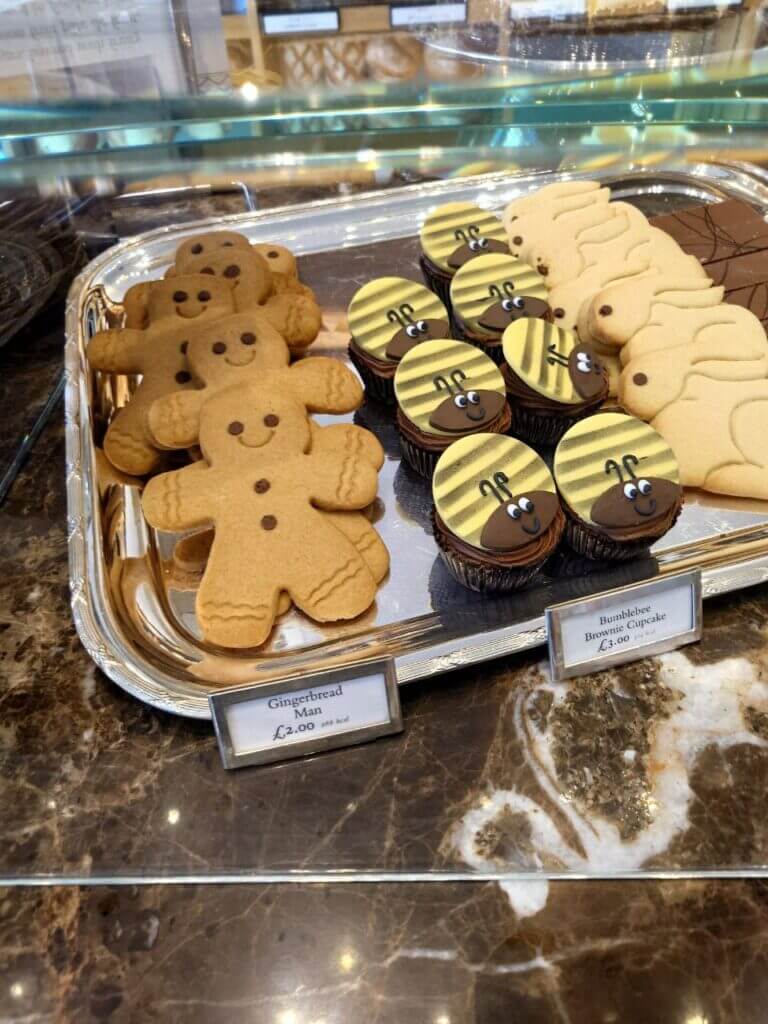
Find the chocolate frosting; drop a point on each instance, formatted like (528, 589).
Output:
(476, 247)
(468, 411)
(439, 442)
(538, 550)
(420, 330)
(501, 314)
(513, 524)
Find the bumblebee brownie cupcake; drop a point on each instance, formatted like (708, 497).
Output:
(387, 318)
(491, 292)
(445, 390)
(497, 516)
(552, 381)
(451, 236)
(619, 483)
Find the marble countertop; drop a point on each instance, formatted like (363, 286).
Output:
(660, 766)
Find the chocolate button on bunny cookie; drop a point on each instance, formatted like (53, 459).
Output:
(552, 381)
(451, 236)
(620, 486)
(497, 515)
(446, 389)
(491, 292)
(387, 318)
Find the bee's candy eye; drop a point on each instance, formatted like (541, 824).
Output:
(460, 401)
(473, 397)
(525, 504)
(423, 326)
(630, 491)
(506, 305)
(644, 486)
(483, 243)
(518, 302)
(411, 330)
(474, 245)
(513, 511)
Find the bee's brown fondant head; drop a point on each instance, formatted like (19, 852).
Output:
(633, 500)
(464, 410)
(587, 372)
(519, 519)
(472, 243)
(411, 330)
(506, 306)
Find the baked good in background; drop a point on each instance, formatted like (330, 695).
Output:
(452, 235)
(387, 317)
(393, 58)
(552, 380)
(301, 63)
(497, 515)
(446, 390)
(619, 483)
(491, 292)
(344, 60)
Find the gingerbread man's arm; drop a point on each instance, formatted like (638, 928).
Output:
(174, 420)
(296, 317)
(325, 385)
(342, 479)
(182, 499)
(117, 351)
(334, 438)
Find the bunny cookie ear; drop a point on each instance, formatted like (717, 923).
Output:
(174, 420)
(116, 351)
(325, 385)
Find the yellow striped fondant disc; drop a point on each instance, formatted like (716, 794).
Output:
(486, 280)
(538, 353)
(450, 226)
(415, 389)
(470, 460)
(378, 307)
(580, 470)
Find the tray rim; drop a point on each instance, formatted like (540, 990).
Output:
(101, 643)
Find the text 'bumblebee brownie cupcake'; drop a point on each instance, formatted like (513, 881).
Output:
(445, 390)
(490, 293)
(552, 381)
(387, 318)
(451, 236)
(497, 516)
(619, 483)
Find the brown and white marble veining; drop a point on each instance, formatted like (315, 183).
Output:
(683, 952)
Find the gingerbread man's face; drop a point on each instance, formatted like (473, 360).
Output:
(242, 270)
(243, 344)
(237, 425)
(181, 300)
(206, 245)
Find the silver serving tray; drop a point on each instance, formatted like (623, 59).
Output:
(135, 616)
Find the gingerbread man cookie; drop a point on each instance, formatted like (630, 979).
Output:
(246, 349)
(175, 308)
(263, 490)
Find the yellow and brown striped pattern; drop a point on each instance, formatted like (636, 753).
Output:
(456, 483)
(368, 323)
(526, 346)
(438, 232)
(581, 456)
(415, 389)
(471, 286)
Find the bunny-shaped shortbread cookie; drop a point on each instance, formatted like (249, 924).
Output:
(263, 491)
(559, 210)
(175, 307)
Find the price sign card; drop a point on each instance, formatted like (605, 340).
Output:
(268, 722)
(298, 22)
(634, 622)
(415, 15)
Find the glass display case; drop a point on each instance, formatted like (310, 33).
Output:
(278, 120)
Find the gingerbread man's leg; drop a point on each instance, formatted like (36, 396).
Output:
(235, 608)
(126, 444)
(332, 581)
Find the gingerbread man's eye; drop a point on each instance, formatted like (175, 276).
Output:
(630, 492)
(235, 428)
(513, 511)
(272, 255)
(270, 420)
(207, 270)
(197, 249)
(180, 296)
(248, 338)
(218, 348)
(232, 270)
(227, 245)
(203, 296)
(644, 486)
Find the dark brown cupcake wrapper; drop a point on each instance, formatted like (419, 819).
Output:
(420, 460)
(540, 427)
(382, 389)
(485, 578)
(462, 333)
(438, 281)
